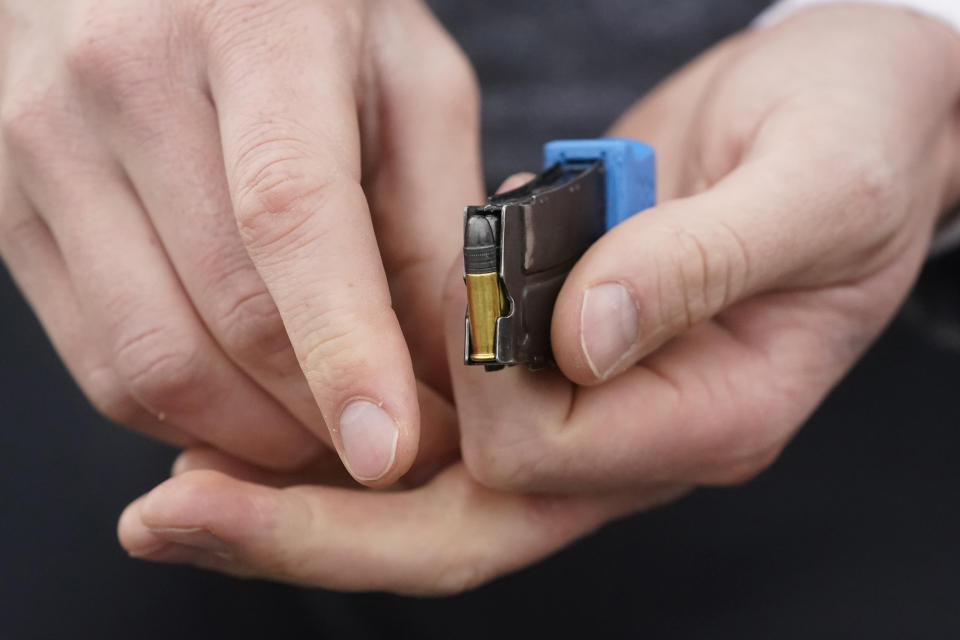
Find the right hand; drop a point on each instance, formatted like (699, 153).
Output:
(190, 195)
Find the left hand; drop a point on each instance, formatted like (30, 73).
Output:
(211, 205)
(801, 185)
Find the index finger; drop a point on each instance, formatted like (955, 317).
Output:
(283, 87)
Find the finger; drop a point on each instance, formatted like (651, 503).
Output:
(191, 212)
(421, 164)
(160, 349)
(714, 406)
(130, 294)
(438, 449)
(326, 469)
(198, 548)
(717, 404)
(445, 537)
(780, 219)
(515, 181)
(292, 158)
(508, 417)
(173, 157)
(439, 437)
(35, 263)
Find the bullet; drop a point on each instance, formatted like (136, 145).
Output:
(485, 297)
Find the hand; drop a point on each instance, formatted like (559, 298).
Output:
(191, 192)
(803, 170)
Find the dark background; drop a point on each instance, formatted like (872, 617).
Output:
(852, 533)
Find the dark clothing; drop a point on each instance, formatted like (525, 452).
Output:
(565, 69)
(852, 533)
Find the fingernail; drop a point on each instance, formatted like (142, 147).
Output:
(369, 437)
(608, 326)
(196, 537)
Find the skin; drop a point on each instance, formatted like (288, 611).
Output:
(222, 249)
(804, 169)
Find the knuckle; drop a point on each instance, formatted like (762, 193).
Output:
(744, 432)
(446, 82)
(107, 395)
(92, 56)
(732, 279)
(99, 51)
(112, 49)
(251, 328)
(743, 466)
(332, 353)
(456, 89)
(692, 264)
(742, 449)
(878, 193)
(698, 258)
(868, 184)
(505, 466)
(466, 562)
(872, 179)
(455, 578)
(161, 368)
(706, 269)
(271, 199)
(30, 124)
(681, 277)
(21, 232)
(115, 58)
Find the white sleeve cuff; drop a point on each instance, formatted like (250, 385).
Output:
(947, 11)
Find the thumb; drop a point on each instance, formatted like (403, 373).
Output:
(779, 220)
